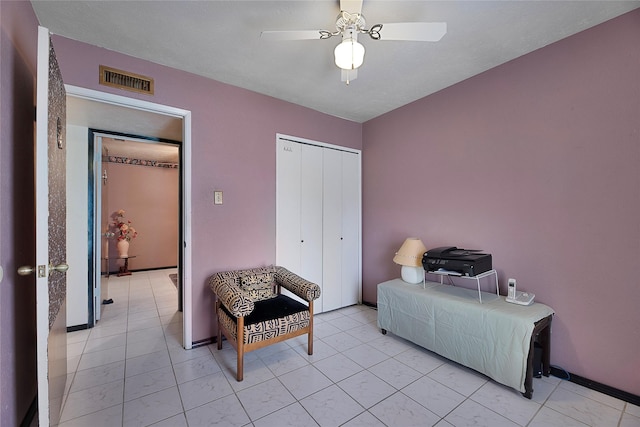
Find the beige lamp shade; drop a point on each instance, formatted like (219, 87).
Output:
(410, 253)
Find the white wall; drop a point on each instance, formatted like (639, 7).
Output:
(77, 225)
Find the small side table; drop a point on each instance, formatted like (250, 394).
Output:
(124, 270)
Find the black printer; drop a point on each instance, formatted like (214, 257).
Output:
(466, 262)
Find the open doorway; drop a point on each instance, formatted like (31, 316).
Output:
(129, 116)
(135, 210)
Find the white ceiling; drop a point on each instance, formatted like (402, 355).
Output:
(112, 118)
(221, 40)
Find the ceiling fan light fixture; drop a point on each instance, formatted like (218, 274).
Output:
(349, 54)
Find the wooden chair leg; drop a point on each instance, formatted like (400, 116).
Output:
(219, 327)
(310, 334)
(240, 344)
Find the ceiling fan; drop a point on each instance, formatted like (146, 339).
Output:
(349, 54)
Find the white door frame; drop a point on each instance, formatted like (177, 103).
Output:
(186, 245)
(97, 226)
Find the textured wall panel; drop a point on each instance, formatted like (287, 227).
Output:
(57, 187)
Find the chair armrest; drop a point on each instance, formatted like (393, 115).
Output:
(306, 290)
(231, 295)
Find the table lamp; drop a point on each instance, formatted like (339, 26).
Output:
(409, 256)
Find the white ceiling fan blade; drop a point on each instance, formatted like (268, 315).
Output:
(351, 6)
(291, 35)
(417, 31)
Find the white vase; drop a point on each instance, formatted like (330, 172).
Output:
(123, 248)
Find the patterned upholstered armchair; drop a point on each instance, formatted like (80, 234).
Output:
(252, 313)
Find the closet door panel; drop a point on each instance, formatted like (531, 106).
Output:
(318, 219)
(350, 229)
(332, 233)
(311, 217)
(288, 205)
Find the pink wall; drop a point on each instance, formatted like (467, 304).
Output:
(536, 162)
(18, 45)
(149, 196)
(233, 149)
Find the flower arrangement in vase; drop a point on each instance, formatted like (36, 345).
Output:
(124, 233)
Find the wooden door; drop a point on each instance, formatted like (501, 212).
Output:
(50, 216)
(105, 236)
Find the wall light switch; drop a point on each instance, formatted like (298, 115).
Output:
(217, 197)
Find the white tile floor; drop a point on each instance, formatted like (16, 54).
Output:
(131, 370)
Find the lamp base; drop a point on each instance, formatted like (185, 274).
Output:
(412, 275)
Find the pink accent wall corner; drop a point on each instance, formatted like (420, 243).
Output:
(536, 161)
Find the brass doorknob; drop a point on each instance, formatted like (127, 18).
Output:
(25, 270)
(60, 267)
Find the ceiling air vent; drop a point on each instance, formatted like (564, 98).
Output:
(125, 80)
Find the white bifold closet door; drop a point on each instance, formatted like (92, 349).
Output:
(351, 227)
(340, 229)
(311, 215)
(299, 211)
(318, 219)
